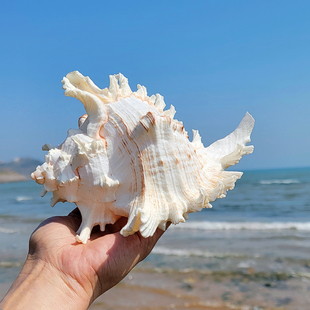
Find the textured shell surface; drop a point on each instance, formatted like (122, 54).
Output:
(131, 158)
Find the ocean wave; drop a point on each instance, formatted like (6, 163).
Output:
(244, 226)
(279, 181)
(10, 264)
(23, 198)
(7, 231)
(265, 276)
(195, 253)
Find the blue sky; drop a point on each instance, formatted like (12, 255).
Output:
(213, 60)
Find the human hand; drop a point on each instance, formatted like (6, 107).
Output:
(60, 273)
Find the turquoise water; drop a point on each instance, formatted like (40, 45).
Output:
(264, 224)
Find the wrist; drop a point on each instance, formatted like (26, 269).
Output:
(42, 286)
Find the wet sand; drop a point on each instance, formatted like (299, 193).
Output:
(149, 289)
(157, 290)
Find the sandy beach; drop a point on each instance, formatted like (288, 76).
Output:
(145, 289)
(157, 290)
(7, 177)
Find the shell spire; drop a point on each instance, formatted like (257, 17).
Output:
(131, 158)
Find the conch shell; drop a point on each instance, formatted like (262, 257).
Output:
(131, 158)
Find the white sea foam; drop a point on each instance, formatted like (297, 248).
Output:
(10, 264)
(204, 225)
(279, 181)
(7, 231)
(197, 253)
(23, 198)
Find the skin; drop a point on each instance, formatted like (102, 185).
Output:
(60, 273)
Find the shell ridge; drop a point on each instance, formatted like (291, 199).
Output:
(148, 222)
(194, 193)
(136, 168)
(174, 209)
(148, 227)
(133, 223)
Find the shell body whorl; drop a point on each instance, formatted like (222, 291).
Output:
(131, 158)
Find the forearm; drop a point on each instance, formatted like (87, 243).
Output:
(39, 286)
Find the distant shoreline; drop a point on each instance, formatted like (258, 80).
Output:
(18, 170)
(9, 177)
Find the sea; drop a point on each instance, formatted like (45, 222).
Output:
(262, 226)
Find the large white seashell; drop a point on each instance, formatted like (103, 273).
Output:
(130, 158)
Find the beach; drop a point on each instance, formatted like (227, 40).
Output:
(250, 252)
(11, 176)
(149, 289)
(146, 289)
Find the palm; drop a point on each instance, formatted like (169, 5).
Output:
(95, 266)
